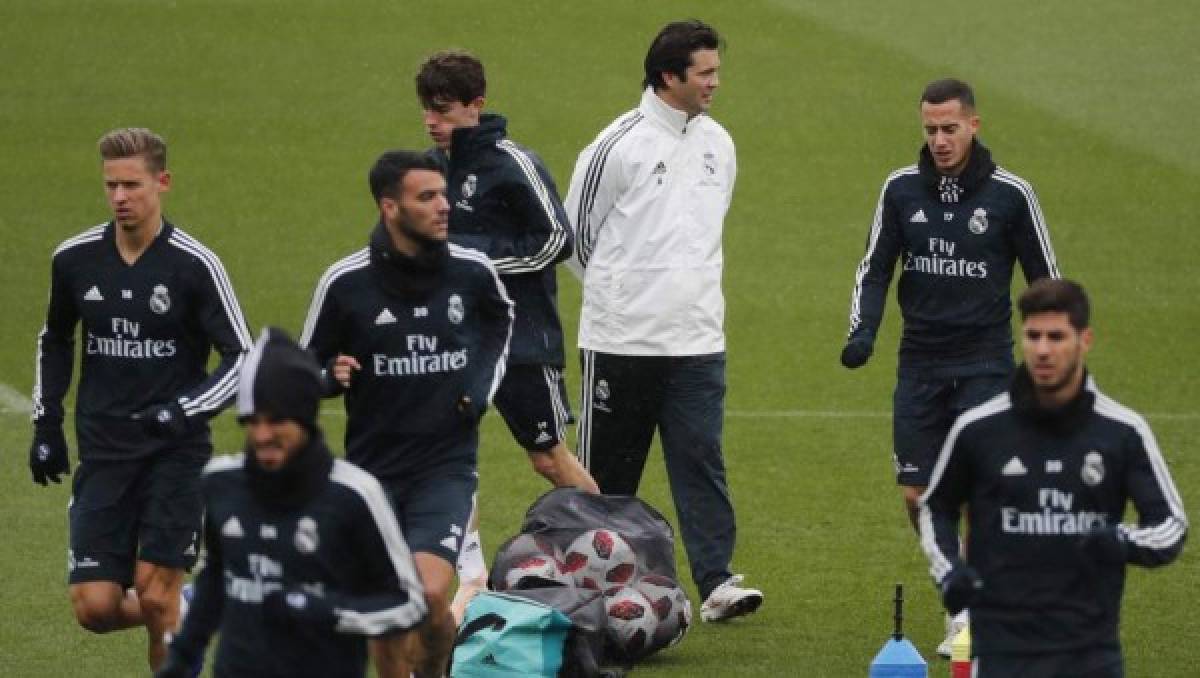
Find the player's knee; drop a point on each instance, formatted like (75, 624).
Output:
(157, 604)
(547, 466)
(96, 622)
(437, 600)
(95, 614)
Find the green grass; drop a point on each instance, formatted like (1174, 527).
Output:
(274, 110)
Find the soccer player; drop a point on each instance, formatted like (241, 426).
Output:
(1045, 471)
(957, 222)
(151, 302)
(648, 200)
(415, 332)
(503, 202)
(305, 556)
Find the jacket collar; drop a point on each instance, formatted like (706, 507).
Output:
(1060, 419)
(652, 106)
(403, 275)
(955, 189)
(109, 235)
(300, 479)
(466, 140)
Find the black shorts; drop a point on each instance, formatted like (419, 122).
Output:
(148, 509)
(1089, 663)
(533, 401)
(433, 507)
(926, 403)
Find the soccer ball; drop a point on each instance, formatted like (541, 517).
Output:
(631, 623)
(535, 572)
(530, 561)
(600, 559)
(671, 606)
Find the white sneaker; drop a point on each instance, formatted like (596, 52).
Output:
(730, 600)
(954, 625)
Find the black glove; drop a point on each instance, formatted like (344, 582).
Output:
(164, 420)
(48, 454)
(960, 587)
(177, 665)
(857, 352)
(294, 607)
(1105, 545)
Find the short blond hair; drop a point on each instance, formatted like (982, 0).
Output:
(131, 142)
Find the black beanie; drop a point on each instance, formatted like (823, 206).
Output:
(280, 379)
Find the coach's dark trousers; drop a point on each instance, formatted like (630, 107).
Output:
(625, 398)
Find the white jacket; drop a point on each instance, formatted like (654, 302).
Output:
(647, 202)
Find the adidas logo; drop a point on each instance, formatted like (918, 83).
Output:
(1014, 467)
(919, 218)
(191, 550)
(450, 543)
(542, 437)
(660, 168)
(385, 317)
(93, 294)
(232, 528)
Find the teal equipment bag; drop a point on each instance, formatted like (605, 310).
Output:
(505, 635)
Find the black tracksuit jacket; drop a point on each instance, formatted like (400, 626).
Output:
(146, 333)
(1033, 483)
(503, 202)
(325, 528)
(957, 241)
(427, 333)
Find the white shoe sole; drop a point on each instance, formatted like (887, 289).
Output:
(739, 608)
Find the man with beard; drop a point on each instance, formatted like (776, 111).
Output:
(1045, 471)
(414, 331)
(305, 556)
(957, 222)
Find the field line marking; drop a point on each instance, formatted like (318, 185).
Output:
(13, 402)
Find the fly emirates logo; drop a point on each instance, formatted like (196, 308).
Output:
(126, 342)
(423, 358)
(1057, 516)
(941, 261)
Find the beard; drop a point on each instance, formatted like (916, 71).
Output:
(1069, 375)
(432, 252)
(425, 242)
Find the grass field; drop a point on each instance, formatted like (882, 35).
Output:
(274, 111)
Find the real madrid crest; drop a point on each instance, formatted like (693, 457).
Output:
(454, 309)
(306, 539)
(978, 223)
(710, 163)
(602, 391)
(160, 301)
(468, 187)
(1092, 472)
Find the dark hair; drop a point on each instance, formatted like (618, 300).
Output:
(388, 172)
(133, 142)
(1056, 295)
(671, 50)
(450, 75)
(941, 91)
